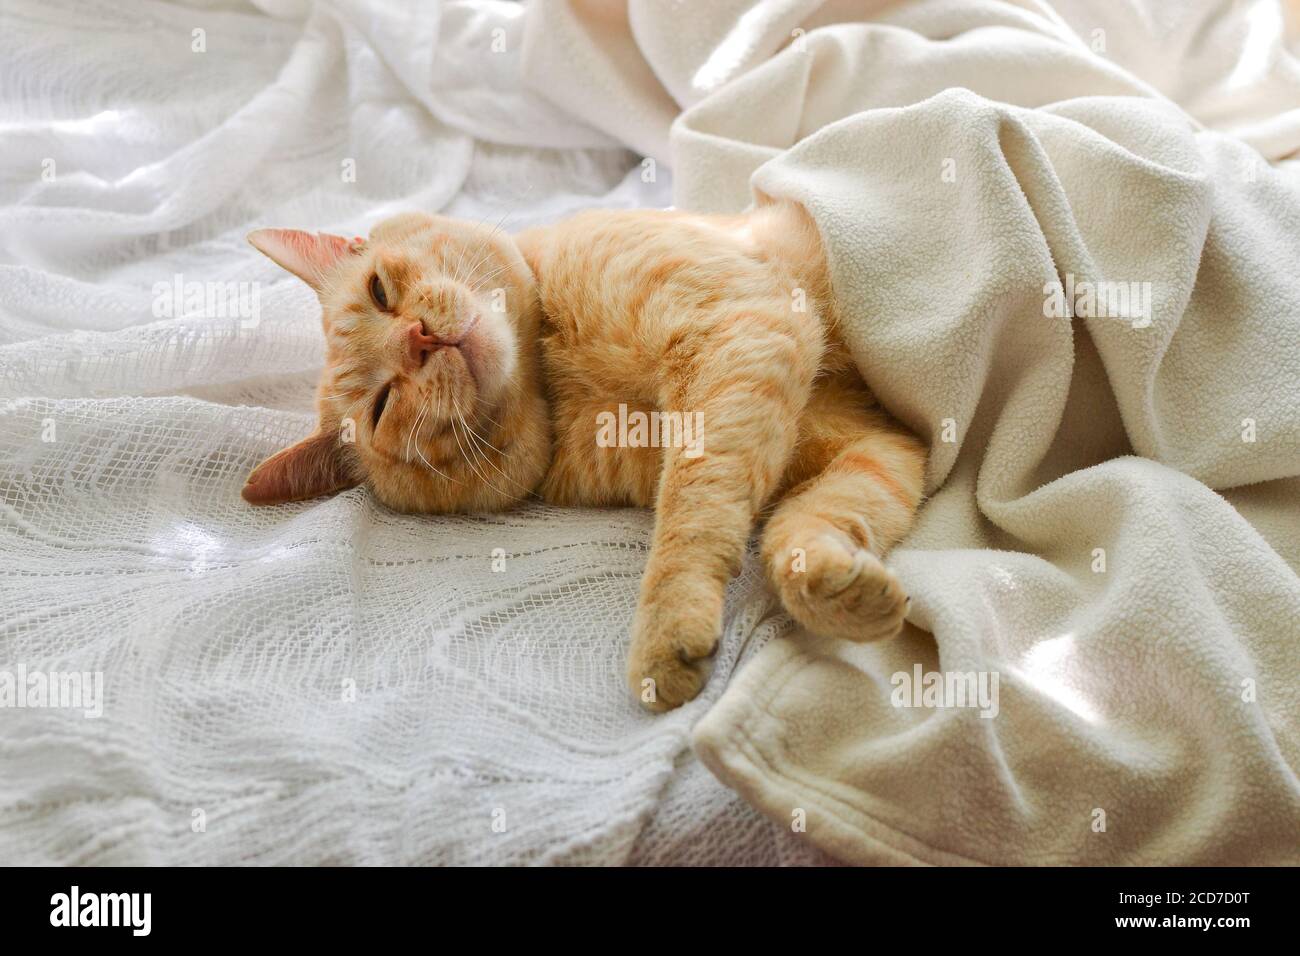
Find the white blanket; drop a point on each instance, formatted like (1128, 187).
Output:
(326, 682)
(1063, 257)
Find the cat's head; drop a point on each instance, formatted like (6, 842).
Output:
(431, 392)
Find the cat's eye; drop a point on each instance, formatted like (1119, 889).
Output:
(381, 402)
(377, 292)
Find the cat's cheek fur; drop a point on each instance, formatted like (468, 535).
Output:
(398, 421)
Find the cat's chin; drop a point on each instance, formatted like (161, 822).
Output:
(449, 369)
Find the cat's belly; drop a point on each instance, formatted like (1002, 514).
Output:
(609, 451)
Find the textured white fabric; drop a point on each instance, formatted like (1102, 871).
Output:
(959, 156)
(325, 682)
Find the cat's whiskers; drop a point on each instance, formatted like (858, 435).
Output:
(477, 262)
(429, 463)
(483, 439)
(463, 454)
(414, 427)
(482, 280)
(460, 259)
(483, 243)
(486, 251)
(480, 400)
(468, 460)
(471, 434)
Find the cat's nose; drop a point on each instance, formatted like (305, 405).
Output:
(418, 344)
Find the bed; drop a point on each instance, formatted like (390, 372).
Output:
(333, 683)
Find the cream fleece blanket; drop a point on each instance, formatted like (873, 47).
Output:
(327, 682)
(1065, 240)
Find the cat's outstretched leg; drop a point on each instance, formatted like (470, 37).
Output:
(747, 376)
(823, 545)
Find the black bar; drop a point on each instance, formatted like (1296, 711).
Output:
(654, 906)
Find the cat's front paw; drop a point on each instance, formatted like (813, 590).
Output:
(671, 657)
(840, 589)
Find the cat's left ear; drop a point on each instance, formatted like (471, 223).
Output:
(311, 256)
(312, 468)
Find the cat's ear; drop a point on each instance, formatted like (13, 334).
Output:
(311, 256)
(312, 468)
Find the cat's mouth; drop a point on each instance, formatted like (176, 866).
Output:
(452, 364)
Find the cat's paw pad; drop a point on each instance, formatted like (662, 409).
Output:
(670, 662)
(843, 590)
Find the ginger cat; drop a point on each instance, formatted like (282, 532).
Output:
(473, 370)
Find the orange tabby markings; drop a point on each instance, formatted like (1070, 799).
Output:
(855, 461)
